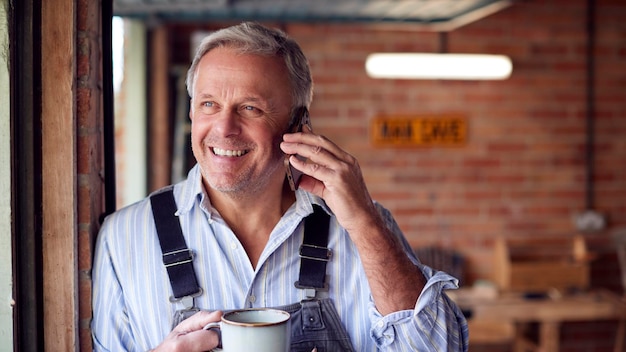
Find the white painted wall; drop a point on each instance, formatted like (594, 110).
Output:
(6, 272)
(130, 112)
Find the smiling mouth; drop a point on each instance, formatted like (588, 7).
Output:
(229, 153)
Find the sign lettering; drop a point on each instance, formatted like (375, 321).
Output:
(419, 131)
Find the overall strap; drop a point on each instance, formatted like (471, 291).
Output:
(314, 252)
(177, 258)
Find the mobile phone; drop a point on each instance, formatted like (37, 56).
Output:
(294, 175)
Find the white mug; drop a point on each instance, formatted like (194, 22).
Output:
(259, 330)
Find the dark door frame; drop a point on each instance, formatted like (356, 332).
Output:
(26, 184)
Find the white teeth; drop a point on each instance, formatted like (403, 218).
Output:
(229, 153)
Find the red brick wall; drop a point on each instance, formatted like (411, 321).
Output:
(90, 151)
(522, 172)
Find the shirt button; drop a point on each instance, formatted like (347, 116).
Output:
(233, 245)
(252, 299)
(381, 324)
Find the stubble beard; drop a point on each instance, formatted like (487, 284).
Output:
(245, 183)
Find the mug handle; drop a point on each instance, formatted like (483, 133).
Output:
(212, 326)
(215, 326)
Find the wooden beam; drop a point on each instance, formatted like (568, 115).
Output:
(159, 118)
(58, 67)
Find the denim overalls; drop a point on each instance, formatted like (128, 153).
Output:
(314, 321)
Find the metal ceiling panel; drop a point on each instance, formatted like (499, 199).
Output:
(432, 14)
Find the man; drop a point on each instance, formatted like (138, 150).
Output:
(246, 227)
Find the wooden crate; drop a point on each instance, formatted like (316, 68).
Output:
(540, 265)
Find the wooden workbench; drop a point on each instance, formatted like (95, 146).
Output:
(548, 312)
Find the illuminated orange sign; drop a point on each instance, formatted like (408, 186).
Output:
(445, 130)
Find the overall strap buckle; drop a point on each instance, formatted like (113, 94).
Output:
(314, 253)
(178, 257)
(187, 301)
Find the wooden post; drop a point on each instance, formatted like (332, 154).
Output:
(60, 289)
(501, 264)
(159, 168)
(549, 336)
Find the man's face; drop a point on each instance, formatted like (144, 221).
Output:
(239, 111)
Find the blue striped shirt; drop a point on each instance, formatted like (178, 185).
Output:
(131, 306)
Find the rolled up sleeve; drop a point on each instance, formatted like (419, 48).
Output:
(435, 324)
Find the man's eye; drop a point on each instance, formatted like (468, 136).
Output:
(207, 107)
(251, 111)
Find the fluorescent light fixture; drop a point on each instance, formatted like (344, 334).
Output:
(438, 66)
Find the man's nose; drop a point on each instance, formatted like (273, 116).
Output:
(228, 123)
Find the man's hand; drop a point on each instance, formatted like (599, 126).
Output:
(333, 175)
(189, 335)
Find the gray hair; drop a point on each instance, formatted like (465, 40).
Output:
(253, 38)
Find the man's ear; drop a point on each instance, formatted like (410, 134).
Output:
(296, 121)
(293, 124)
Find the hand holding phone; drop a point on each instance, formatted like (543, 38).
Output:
(294, 175)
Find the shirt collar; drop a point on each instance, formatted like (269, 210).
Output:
(191, 190)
